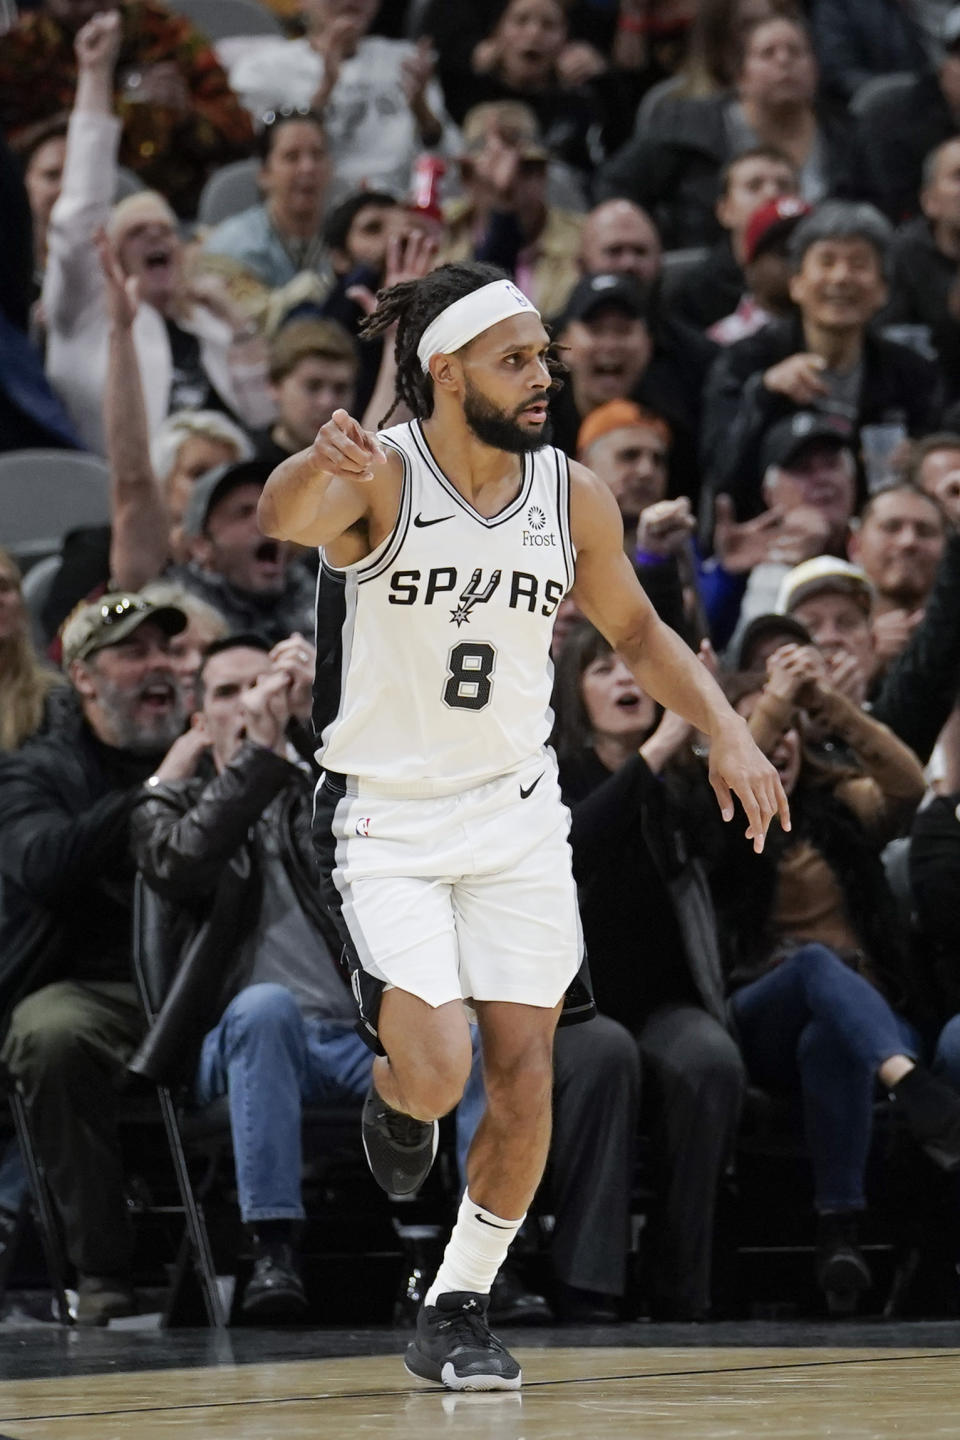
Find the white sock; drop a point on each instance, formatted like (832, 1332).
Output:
(475, 1251)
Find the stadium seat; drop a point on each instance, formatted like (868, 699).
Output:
(45, 493)
(220, 19)
(874, 93)
(228, 191)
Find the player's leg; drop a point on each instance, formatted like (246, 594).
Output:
(378, 874)
(421, 1077)
(509, 1151)
(453, 1344)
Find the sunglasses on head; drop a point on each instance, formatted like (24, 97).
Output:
(119, 609)
(289, 112)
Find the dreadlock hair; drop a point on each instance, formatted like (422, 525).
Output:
(412, 306)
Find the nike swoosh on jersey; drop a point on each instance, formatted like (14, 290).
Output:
(421, 523)
(530, 788)
(490, 1223)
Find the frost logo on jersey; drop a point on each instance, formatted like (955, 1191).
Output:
(536, 519)
(363, 825)
(472, 595)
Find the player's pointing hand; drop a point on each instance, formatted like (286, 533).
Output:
(343, 447)
(738, 766)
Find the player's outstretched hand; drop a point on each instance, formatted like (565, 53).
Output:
(343, 447)
(737, 765)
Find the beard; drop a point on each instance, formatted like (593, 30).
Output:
(140, 735)
(499, 428)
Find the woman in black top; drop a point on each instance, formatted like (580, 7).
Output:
(650, 935)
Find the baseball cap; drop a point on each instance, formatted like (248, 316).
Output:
(594, 292)
(111, 619)
(618, 415)
(760, 628)
(823, 573)
(771, 222)
(785, 440)
(950, 33)
(212, 487)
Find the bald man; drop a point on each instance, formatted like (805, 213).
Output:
(619, 238)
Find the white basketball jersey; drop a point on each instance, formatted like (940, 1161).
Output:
(440, 647)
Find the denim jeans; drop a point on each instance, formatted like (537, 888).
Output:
(946, 1058)
(269, 1060)
(814, 1025)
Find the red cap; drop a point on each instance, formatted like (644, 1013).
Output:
(773, 219)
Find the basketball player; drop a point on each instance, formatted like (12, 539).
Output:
(449, 542)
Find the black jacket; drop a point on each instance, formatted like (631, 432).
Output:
(66, 870)
(856, 40)
(673, 168)
(708, 291)
(934, 878)
(196, 843)
(922, 280)
(625, 823)
(894, 139)
(738, 410)
(922, 685)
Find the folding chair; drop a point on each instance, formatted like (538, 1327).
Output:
(204, 1133)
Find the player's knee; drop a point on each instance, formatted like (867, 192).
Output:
(433, 1085)
(520, 1086)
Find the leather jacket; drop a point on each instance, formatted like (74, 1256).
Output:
(196, 843)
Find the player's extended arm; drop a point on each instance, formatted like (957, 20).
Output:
(316, 495)
(608, 592)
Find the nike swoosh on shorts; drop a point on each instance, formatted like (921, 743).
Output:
(530, 788)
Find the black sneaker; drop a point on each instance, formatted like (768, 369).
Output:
(274, 1290)
(399, 1149)
(454, 1346)
(932, 1112)
(842, 1272)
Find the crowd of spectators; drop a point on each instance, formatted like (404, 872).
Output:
(741, 221)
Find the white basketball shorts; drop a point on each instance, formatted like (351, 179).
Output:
(466, 896)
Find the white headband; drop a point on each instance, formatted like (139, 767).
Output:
(465, 319)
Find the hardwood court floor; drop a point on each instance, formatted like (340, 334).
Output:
(643, 1392)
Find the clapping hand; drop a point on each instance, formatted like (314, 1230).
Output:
(410, 255)
(298, 659)
(265, 710)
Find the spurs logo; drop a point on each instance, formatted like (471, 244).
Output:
(472, 595)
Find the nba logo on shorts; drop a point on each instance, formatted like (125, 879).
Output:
(363, 825)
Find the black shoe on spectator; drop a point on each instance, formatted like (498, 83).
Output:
(575, 1306)
(274, 1290)
(102, 1298)
(932, 1112)
(454, 1346)
(399, 1149)
(842, 1272)
(511, 1303)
